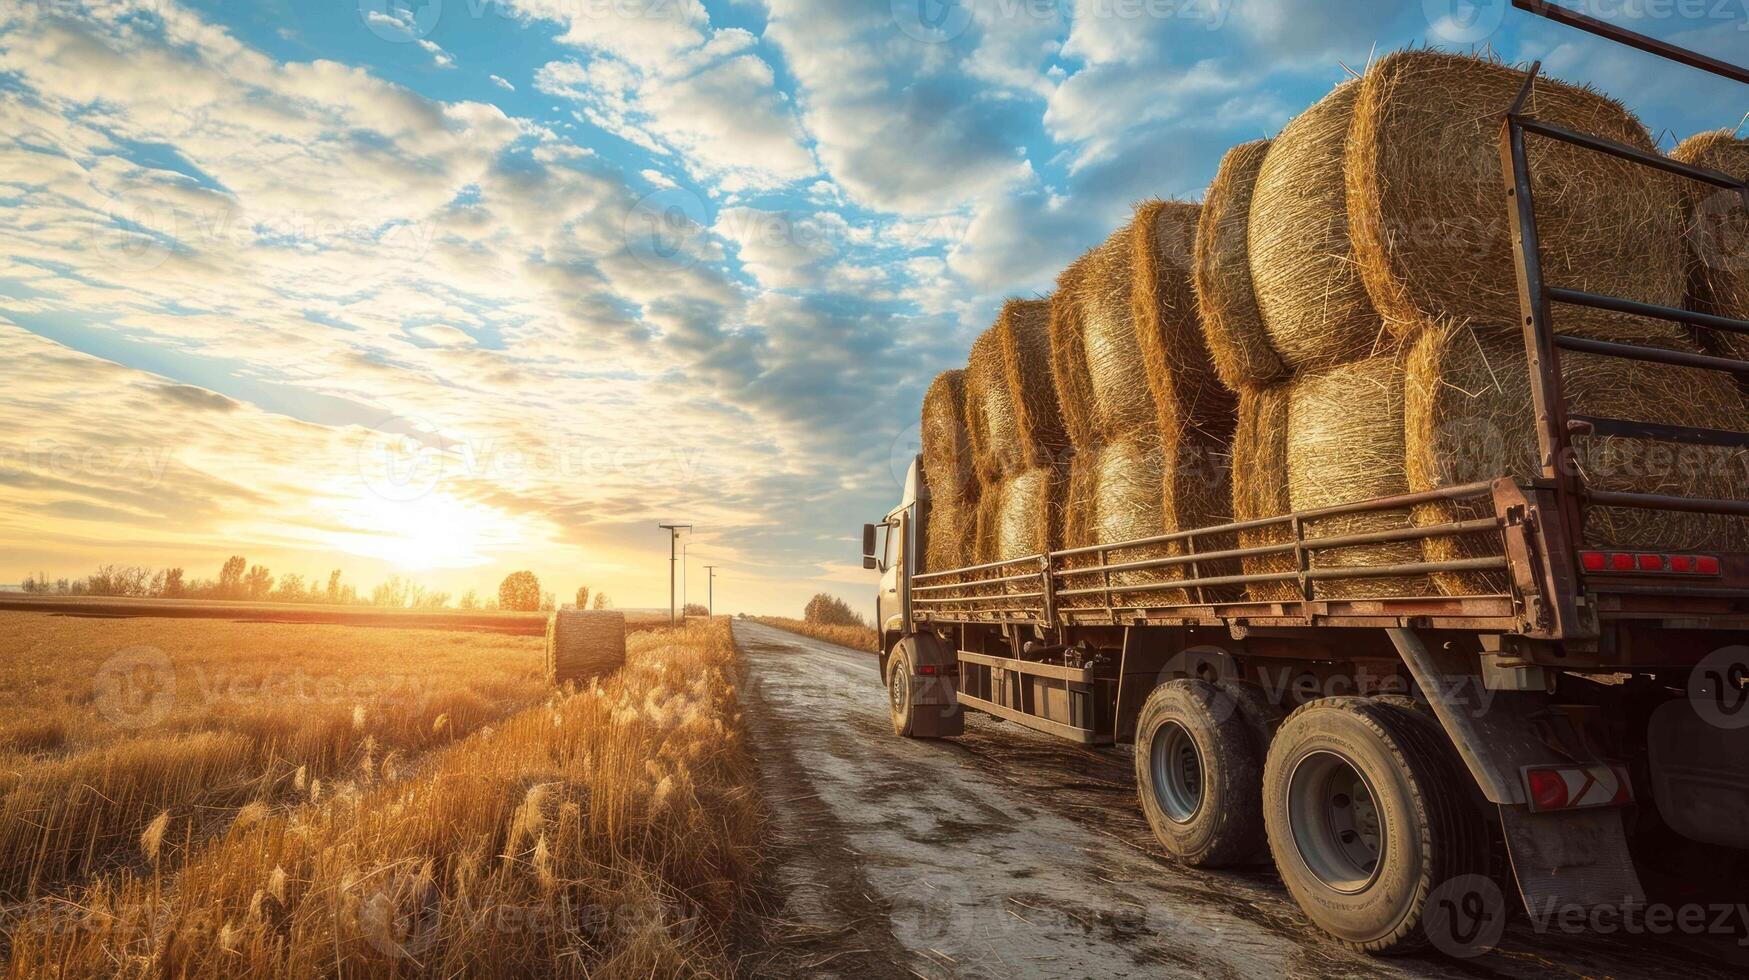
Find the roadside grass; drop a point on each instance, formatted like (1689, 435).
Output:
(610, 831)
(112, 727)
(856, 637)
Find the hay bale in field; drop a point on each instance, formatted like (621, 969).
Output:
(1315, 309)
(583, 644)
(1717, 229)
(1430, 223)
(1259, 488)
(1024, 330)
(1345, 444)
(1467, 418)
(948, 466)
(1226, 300)
(1188, 395)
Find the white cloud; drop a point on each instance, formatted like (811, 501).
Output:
(502, 83)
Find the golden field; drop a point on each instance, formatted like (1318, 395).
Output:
(193, 798)
(855, 637)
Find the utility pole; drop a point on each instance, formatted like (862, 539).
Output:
(673, 541)
(710, 590)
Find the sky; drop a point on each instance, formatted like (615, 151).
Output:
(448, 288)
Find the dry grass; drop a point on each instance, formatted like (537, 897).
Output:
(609, 831)
(110, 724)
(855, 637)
(1226, 299)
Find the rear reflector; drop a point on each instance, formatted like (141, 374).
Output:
(1646, 563)
(1576, 787)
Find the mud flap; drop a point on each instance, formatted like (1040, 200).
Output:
(935, 703)
(1570, 859)
(1700, 775)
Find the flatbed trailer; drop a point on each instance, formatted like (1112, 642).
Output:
(1407, 759)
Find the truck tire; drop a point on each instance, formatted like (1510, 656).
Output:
(1199, 770)
(1367, 815)
(583, 644)
(1263, 715)
(910, 719)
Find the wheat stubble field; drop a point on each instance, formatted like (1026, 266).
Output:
(183, 797)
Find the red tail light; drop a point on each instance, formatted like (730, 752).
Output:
(1647, 563)
(1548, 791)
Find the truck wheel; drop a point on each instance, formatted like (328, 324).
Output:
(1367, 815)
(912, 720)
(1198, 773)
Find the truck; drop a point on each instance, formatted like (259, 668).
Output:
(1406, 762)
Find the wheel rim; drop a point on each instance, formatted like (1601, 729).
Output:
(1176, 764)
(1333, 816)
(896, 687)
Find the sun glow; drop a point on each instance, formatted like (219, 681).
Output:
(433, 531)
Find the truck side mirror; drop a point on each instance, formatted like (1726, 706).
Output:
(870, 561)
(868, 541)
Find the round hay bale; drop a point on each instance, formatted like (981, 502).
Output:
(1188, 395)
(1028, 519)
(1069, 358)
(1120, 400)
(991, 428)
(1430, 223)
(1345, 444)
(950, 534)
(1718, 238)
(583, 644)
(1024, 329)
(1467, 418)
(947, 451)
(1315, 308)
(1259, 488)
(1231, 323)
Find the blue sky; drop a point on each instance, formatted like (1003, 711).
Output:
(577, 266)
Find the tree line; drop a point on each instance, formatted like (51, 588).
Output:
(239, 580)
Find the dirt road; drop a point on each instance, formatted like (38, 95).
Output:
(1006, 853)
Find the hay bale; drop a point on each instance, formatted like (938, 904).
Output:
(1024, 330)
(950, 534)
(1231, 323)
(948, 466)
(991, 428)
(1315, 309)
(1259, 487)
(1717, 226)
(1093, 337)
(1467, 418)
(1188, 395)
(1345, 444)
(582, 644)
(1430, 221)
(1026, 517)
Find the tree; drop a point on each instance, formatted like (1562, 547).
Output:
(393, 592)
(549, 601)
(172, 583)
(582, 597)
(520, 591)
(259, 581)
(469, 600)
(695, 609)
(291, 588)
(231, 577)
(602, 601)
(828, 610)
(334, 585)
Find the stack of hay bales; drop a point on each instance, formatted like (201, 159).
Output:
(1148, 422)
(1320, 378)
(1718, 237)
(1435, 254)
(1016, 435)
(948, 469)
